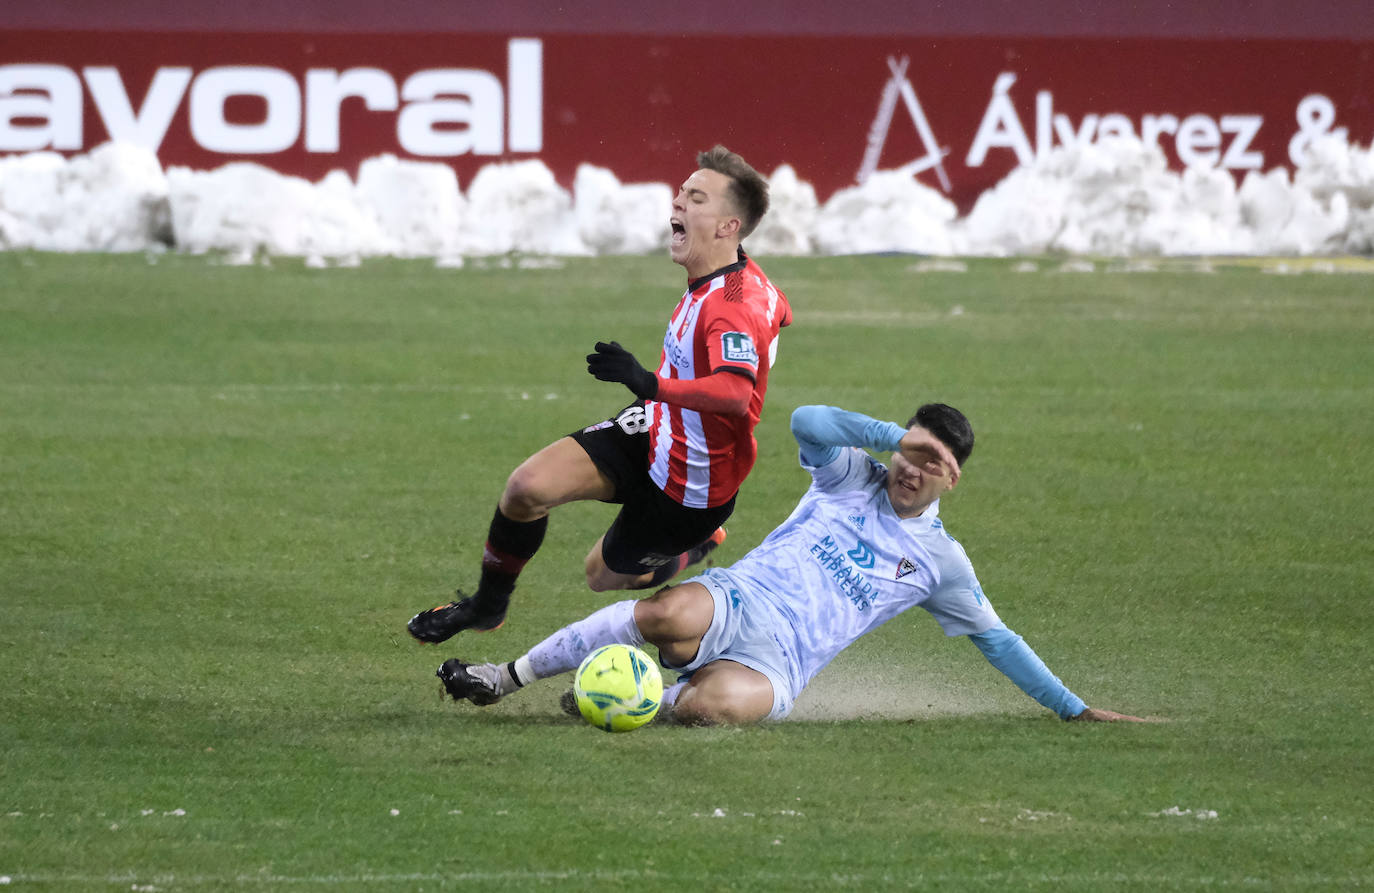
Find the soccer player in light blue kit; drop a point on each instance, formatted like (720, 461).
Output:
(864, 544)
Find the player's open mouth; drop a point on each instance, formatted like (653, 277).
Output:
(679, 232)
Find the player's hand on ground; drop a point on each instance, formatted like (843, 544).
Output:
(611, 362)
(1093, 714)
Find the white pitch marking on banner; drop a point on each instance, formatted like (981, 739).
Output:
(877, 132)
(900, 85)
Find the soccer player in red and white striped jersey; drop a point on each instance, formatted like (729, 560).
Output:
(701, 443)
(675, 459)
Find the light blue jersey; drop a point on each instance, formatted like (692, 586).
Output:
(843, 564)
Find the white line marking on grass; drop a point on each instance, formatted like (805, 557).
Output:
(915, 881)
(1176, 811)
(877, 318)
(223, 390)
(938, 265)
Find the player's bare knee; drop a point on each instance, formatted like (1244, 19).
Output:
(698, 708)
(726, 693)
(737, 711)
(596, 583)
(600, 578)
(523, 497)
(656, 614)
(694, 709)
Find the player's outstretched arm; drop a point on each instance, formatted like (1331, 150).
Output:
(821, 431)
(1009, 653)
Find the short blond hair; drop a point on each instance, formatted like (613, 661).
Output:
(748, 188)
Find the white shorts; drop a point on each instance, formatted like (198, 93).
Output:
(742, 631)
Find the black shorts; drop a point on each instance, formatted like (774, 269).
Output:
(652, 528)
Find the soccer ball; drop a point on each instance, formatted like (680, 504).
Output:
(618, 688)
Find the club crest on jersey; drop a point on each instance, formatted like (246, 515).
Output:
(737, 347)
(857, 521)
(905, 567)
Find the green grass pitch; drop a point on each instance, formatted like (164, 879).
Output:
(223, 490)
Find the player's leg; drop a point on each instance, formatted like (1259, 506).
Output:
(601, 578)
(652, 540)
(562, 472)
(673, 619)
(682, 622)
(724, 691)
(559, 653)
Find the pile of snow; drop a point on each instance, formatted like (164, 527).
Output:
(791, 219)
(1116, 197)
(417, 206)
(114, 199)
(619, 219)
(519, 207)
(890, 211)
(244, 208)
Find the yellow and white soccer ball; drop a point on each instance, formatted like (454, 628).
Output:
(618, 688)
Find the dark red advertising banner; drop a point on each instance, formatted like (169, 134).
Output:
(957, 112)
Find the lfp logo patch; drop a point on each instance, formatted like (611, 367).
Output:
(737, 347)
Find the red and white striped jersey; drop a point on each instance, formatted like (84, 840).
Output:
(727, 320)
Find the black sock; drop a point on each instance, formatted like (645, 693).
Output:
(510, 545)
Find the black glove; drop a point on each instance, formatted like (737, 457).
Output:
(611, 362)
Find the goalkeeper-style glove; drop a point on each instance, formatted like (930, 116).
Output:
(611, 362)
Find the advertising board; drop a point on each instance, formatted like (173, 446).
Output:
(956, 112)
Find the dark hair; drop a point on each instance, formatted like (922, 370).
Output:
(748, 189)
(949, 425)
